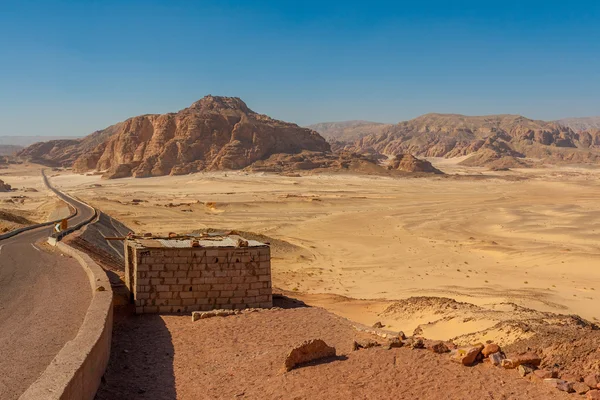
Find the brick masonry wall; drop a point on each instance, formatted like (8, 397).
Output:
(200, 279)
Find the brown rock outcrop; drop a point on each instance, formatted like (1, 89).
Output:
(4, 187)
(311, 350)
(409, 163)
(214, 133)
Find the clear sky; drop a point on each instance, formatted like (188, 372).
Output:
(72, 67)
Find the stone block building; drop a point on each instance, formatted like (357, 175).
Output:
(167, 275)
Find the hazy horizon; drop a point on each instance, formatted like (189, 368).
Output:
(71, 68)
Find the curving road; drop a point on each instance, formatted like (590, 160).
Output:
(43, 299)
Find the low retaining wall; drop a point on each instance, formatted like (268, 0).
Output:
(76, 371)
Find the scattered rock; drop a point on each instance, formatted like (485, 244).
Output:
(364, 344)
(592, 380)
(439, 347)
(418, 343)
(560, 384)
(524, 370)
(467, 356)
(496, 358)
(378, 325)
(544, 374)
(401, 335)
(490, 348)
(593, 395)
(395, 342)
(528, 358)
(580, 388)
(197, 315)
(310, 350)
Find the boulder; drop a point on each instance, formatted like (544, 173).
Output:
(528, 358)
(468, 355)
(364, 344)
(310, 350)
(490, 348)
(560, 384)
(417, 343)
(592, 380)
(395, 342)
(378, 325)
(438, 347)
(544, 374)
(593, 395)
(580, 388)
(524, 370)
(496, 358)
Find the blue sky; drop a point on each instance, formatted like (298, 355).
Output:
(72, 67)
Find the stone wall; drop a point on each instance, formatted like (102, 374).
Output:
(198, 279)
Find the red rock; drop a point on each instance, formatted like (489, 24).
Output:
(528, 358)
(311, 350)
(593, 395)
(560, 384)
(467, 356)
(490, 348)
(544, 374)
(439, 347)
(496, 358)
(592, 380)
(524, 370)
(580, 388)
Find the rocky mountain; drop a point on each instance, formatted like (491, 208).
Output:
(214, 133)
(24, 141)
(487, 139)
(581, 124)
(64, 152)
(347, 130)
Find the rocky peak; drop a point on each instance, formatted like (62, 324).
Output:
(220, 103)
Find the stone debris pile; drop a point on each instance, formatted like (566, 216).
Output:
(527, 365)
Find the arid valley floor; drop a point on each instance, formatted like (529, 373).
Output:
(508, 246)
(528, 237)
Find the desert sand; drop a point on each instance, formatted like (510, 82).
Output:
(527, 237)
(29, 201)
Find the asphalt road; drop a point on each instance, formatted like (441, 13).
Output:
(44, 296)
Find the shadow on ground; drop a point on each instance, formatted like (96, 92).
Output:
(141, 359)
(282, 301)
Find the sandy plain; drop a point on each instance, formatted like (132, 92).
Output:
(355, 244)
(29, 201)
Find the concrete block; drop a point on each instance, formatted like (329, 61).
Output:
(162, 288)
(252, 292)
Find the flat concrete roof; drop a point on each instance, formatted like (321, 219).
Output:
(203, 242)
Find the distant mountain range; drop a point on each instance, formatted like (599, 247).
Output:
(581, 124)
(494, 140)
(25, 141)
(218, 133)
(9, 149)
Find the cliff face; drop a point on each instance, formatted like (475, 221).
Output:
(212, 134)
(487, 138)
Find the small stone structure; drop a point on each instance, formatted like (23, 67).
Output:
(167, 275)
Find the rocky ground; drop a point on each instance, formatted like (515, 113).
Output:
(242, 356)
